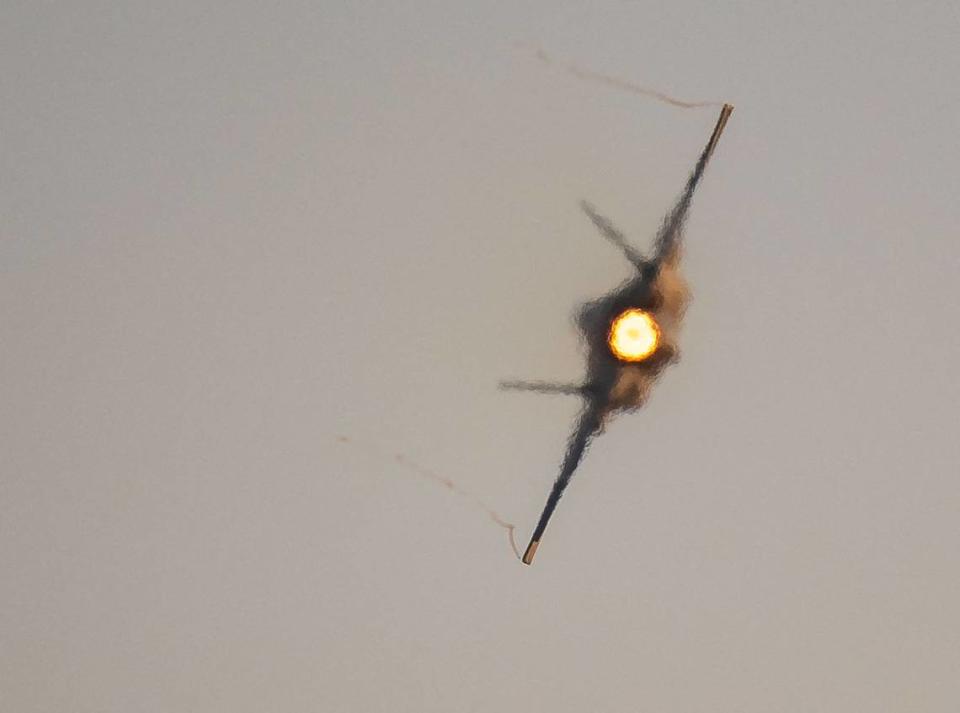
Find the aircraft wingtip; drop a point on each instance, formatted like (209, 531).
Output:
(531, 551)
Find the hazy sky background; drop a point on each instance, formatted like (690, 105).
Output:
(230, 232)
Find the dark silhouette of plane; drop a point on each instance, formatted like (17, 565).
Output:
(631, 333)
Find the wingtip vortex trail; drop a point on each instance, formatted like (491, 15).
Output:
(589, 75)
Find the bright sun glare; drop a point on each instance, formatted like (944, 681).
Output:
(634, 335)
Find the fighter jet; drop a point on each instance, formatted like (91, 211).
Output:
(631, 333)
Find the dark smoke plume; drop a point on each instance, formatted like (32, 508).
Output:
(657, 295)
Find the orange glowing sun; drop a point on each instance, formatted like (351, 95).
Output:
(634, 335)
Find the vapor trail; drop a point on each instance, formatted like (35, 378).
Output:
(615, 82)
(446, 482)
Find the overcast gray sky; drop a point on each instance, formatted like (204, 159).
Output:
(230, 232)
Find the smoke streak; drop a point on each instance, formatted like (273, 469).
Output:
(604, 79)
(611, 233)
(544, 387)
(427, 474)
(589, 424)
(668, 237)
